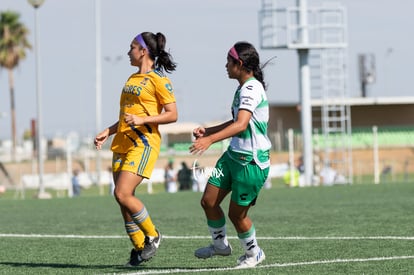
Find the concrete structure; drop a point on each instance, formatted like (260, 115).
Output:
(365, 112)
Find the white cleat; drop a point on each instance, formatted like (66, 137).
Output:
(246, 261)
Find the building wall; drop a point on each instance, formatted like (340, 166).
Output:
(285, 117)
(379, 115)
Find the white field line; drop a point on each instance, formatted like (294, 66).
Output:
(321, 262)
(209, 237)
(191, 270)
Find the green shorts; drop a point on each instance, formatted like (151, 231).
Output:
(244, 181)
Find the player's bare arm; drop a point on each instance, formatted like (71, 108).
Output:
(169, 115)
(231, 129)
(215, 129)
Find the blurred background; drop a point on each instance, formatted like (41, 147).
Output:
(339, 88)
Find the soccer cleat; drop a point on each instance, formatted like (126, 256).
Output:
(151, 246)
(210, 251)
(246, 261)
(135, 258)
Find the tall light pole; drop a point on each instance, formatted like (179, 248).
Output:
(305, 91)
(98, 88)
(42, 194)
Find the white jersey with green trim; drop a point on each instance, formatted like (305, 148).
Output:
(253, 141)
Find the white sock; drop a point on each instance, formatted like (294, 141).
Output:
(219, 236)
(249, 243)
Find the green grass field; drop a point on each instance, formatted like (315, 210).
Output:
(358, 229)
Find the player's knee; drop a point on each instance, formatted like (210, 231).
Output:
(205, 204)
(120, 196)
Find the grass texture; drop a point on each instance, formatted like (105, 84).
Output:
(350, 229)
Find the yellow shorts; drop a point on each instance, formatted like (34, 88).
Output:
(140, 161)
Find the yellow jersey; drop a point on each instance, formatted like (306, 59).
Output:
(142, 95)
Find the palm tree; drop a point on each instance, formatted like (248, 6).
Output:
(13, 46)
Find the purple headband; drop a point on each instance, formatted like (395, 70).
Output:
(233, 53)
(141, 41)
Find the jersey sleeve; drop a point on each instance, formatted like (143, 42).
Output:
(249, 98)
(164, 91)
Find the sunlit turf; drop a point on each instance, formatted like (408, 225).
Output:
(302, 231)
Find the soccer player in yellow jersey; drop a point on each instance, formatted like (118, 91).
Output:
(147, 100)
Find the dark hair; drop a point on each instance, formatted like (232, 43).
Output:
(156, 47)
(250, 60)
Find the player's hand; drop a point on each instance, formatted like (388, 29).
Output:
(133, 120)
(101, 138)
(200, 145)
(199, 132)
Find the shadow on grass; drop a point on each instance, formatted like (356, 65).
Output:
(84, 267)
(54, 265)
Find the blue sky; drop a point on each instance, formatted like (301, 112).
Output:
(199, 34)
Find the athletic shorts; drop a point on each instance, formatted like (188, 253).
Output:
(140, 161)
(244, 181)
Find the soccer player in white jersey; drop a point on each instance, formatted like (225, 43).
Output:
(244, 167)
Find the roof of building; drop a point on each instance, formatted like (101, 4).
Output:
(178, 128)
(184, 127)
(354, 101)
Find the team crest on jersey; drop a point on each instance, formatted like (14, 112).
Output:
(144, 81)
(169, 87)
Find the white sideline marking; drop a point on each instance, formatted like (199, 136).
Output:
(183, 270)
(59, 236)
(206, 237)
(191, 270)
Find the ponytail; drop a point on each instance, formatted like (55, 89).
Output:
(250, 59)
(156, 48)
